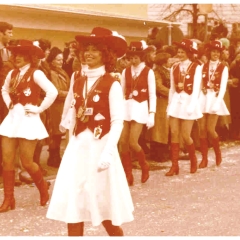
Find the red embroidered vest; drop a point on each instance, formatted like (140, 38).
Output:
(140, 84)
(99, 107)
(216, 77)
(189, 78)
(27, 91)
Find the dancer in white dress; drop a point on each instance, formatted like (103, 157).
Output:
(139, 88)
(214, 84)
(91, 183)
(22, 126)
(183, 107)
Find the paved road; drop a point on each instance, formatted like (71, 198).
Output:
(206, 203)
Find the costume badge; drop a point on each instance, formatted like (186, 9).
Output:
(27, 92)
(130, 95)
(97, 132)
(96, 98)
(204, 75)
(88, 111)
(135, 93)
(187, 76)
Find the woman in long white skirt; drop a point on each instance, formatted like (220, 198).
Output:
(214, 84)
(91, 184)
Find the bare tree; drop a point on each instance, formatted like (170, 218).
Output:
(181, 12)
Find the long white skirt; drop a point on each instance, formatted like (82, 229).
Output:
(19, 125)
(81, 193)
(207, 101)
(179, 104)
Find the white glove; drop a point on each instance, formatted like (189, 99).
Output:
(190, 109)
(151, 120)
(104, 161)
(216, 106)
(62, 128)
(29, 108)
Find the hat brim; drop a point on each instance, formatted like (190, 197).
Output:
(129, 52)
(209, 46)
(117, 44)
(192, 50)
(33, 50)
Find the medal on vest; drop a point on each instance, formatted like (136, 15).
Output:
(97, 132)
(96, 98)
(135, 93)
(27, 92)
(187, 76)
(80, 112)
(180, 85)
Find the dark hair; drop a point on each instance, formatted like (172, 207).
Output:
(53, 53)
(162, 58)
(208, 52)
(139, 54)
(27, 56)
(146, 56)
(109, 58)
(44, 44)
(4, 26)
(190, 55)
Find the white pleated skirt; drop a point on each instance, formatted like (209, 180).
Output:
(133, 110)
(179, 104)
(208, 100)
(19, 125)
(82, 194)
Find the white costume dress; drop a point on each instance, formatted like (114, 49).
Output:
(134, 110)
(19, 125)
(209, 102)
(182, 105)
(81, 193)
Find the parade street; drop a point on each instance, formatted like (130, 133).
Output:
(206, 203)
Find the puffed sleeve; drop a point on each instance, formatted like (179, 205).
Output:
(44, 83)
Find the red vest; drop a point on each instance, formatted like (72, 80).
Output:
(217, 76)
(189, 77)
(99, 107)
(141, 85)
(27, 90)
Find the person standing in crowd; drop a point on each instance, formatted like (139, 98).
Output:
(91, 184)
(234, 92)
(45, 45)
(183, 106)
(61, 81)
(22, 126)
(69, 54)
(148, 58)
(139, 88)
(214, 84)
(159, 134)
(6, 33)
